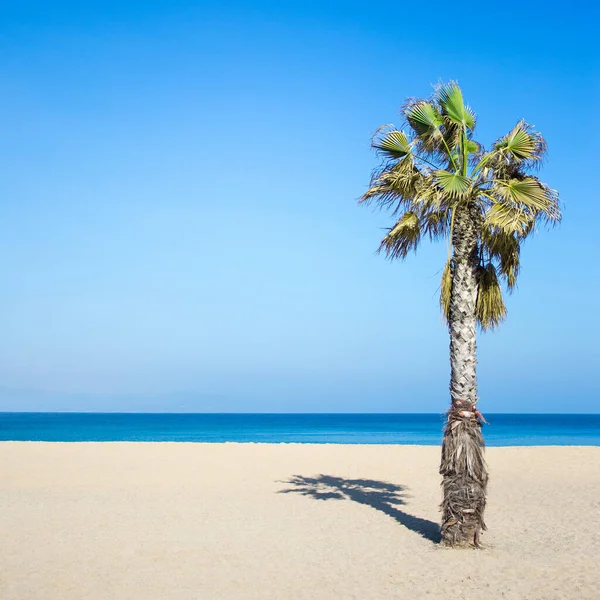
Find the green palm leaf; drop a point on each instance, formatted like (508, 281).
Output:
(453, 107)
(393, 144)
(423, 117)
(527, 192)
(453, 184)
(530, 195)
(521, 144)
(473, 147)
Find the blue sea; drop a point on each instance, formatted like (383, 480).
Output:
(421, 429)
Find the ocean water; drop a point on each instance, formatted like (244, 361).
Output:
(421, 429)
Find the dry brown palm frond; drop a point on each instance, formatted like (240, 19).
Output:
(506, 249)
(490, 307)
(446, 290)
(394, 186)
(403, 237)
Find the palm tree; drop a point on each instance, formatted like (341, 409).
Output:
(440, 183)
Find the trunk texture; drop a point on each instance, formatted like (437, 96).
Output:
(463, 465)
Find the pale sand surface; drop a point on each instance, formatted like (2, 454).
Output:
(202, 521)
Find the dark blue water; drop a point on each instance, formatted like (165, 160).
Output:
(504, 430)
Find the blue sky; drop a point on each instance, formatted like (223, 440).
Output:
(178, 194)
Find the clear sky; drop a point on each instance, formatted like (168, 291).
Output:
(178, 204)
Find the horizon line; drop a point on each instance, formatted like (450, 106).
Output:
(132, 412)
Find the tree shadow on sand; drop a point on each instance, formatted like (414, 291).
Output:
(380, 495)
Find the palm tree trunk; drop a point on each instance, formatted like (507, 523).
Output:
(463, 465)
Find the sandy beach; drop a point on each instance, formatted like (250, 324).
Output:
(172, 521)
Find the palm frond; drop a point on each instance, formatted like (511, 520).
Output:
(521, 144)
(403, 237)
(506, 249)
(394, 185)
(446, 290)
(425, 120)
(510, 219)
(526, 192)
(473, 147)
(490, 307)
(529, 195)
(453, 107)
(430, 196)
(455, 185)
(434, 223)
(392, 144)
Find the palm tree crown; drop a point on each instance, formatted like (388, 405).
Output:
(434, 168)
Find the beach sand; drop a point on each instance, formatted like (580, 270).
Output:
(163, 521)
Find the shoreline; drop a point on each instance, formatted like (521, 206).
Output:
(319, 444)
